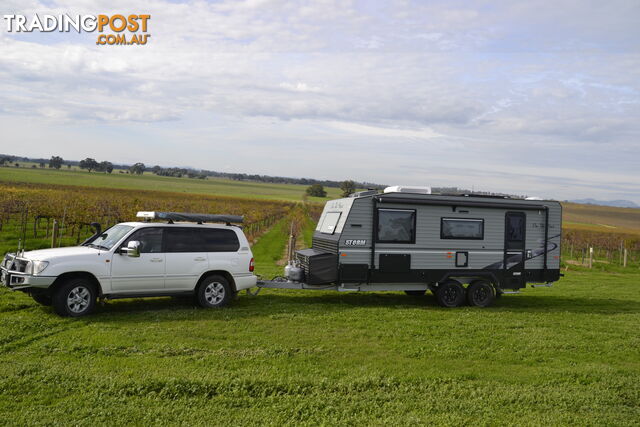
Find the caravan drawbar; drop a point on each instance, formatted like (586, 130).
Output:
(463, 248)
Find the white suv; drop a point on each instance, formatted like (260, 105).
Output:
(137, 259)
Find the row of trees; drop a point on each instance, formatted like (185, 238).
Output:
(317, 190)
(56, 162)
(177, 172)
(93, 165)
(90, 164)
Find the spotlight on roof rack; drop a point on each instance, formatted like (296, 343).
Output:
(190, 217)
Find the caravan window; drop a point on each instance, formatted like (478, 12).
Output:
(396, 226)
(330, 222)
(515, 227)
(461, 228)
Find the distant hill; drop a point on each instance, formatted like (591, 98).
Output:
(614, 203)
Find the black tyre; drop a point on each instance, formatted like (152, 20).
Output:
(480, 294)
(415, 293)
(75, 298)
(450, 294)
(214, 291)
(42, 299)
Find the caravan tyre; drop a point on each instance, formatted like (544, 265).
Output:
(480, 294)
(450, 294)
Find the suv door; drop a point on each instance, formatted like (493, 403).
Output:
(144, 273)
(186, 257)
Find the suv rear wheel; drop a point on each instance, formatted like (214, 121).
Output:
(75, 297)
(214, 291)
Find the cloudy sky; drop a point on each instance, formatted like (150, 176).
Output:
(537, 98)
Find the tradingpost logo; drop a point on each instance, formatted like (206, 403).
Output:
(119, 30)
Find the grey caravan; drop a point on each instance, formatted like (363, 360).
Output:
(463, 248)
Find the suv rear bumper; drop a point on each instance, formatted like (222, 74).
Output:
(16, 281)
(245, 282)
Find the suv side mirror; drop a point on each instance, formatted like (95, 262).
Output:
(133, 249)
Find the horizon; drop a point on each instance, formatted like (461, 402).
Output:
(148, 167)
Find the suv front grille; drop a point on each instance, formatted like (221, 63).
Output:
(12, 263)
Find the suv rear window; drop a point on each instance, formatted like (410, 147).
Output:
(190, 239)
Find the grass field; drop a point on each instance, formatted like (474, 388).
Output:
(566, 355)
(150, 182)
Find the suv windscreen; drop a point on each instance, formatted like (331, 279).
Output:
(111, 236)
(190, 239)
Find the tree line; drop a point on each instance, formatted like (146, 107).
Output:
(315, 186)
(92, 165)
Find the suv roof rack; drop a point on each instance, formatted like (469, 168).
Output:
(190, 217)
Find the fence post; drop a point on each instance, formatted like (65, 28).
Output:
(621, 250)
(591, 257)
(54, 234)
(624, 264)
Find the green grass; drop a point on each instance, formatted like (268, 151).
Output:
(566, 355)
(222, 187)
(270, 249)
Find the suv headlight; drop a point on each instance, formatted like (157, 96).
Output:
(36, 267)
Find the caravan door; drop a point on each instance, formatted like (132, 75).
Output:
(515, 226)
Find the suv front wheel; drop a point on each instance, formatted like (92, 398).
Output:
(75, 298)
(214, 291)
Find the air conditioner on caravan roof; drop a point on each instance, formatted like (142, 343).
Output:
(407, 189)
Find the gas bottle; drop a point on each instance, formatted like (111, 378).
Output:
(296, 274)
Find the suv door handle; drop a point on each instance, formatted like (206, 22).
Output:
(200, 259)
(156, 259)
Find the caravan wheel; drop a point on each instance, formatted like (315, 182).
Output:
(480, 294)
(450, 294)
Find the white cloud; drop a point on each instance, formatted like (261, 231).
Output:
(410, 134)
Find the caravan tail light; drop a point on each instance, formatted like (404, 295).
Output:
(251, 265)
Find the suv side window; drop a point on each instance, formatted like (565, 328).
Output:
(181, 239)
(220, 240)
(190, 239)
(150, 239)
